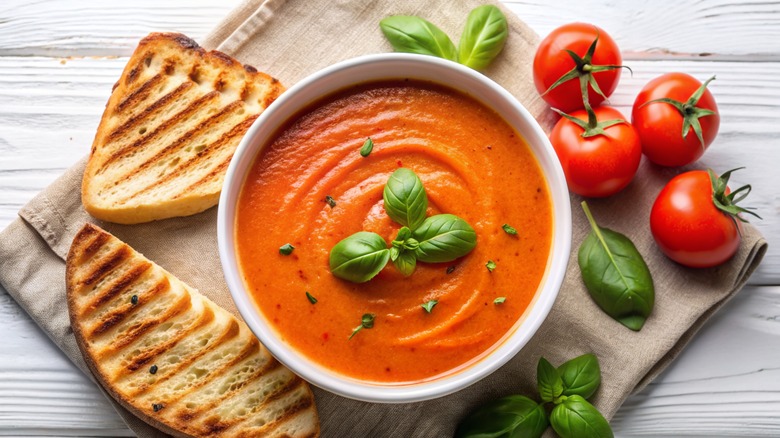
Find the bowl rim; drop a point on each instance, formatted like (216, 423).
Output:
(501, 352)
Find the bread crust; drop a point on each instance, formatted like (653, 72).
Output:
(89, 273)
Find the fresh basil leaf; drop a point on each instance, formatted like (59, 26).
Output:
(286, 249)
(415, 35)
(359, 257)
(429, 305)
(509, 229)
(368, 146)
(367, 321)
(615, 275)
(311, 298)
(483, 38)
(394, 252)
(406, 262)
(490, 265)
(581, 376)
(512, 416)
(443, 238)
(405, 199)
(576, 418)
(548, 380)
(499, 300)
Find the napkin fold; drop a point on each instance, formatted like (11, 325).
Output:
(290, 39)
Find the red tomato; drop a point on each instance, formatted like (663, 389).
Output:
(660, 124)
(688, 227)
(552, 61)
(600, 165)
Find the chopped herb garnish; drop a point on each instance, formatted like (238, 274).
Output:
(499, 300)
(429, 305)
(330, 201)
(450, 269)
(490, 265)
(368, 146)
(286, 249)
(157, 406)
(311, 298)
(153, 369)
(509, 229)
(134, 300)
(366, 322)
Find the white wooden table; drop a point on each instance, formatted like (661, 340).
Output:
(58, 60)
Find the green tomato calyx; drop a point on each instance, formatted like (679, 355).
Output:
(727, 203)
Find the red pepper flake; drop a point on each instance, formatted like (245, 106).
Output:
(399, 163)
(325, 336)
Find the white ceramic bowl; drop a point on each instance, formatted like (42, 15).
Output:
(367, 69)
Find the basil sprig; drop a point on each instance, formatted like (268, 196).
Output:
(566, 388)
(411, 34)
(511, 416)
(443, 238)
(439, 238)
(615, 275)
(405, 199)
(359, 257)
(482, 40)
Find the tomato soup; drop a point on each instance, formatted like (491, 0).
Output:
(472, 164)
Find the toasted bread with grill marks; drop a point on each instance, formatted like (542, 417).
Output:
(169, 130)
(211, 376)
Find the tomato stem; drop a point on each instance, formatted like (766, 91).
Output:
(727, 203)
(584, 70)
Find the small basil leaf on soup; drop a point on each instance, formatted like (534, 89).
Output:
(405, 199)
(429, 305)
(286, 249)
(616, 275)
(483, 38)
(581, 375)
(576, 418)
(490, 265)
(311, 298)
(368, 146)
(406, 263)
(359, 257)
(509, 229)
(367, 321)
(511, 416)
(443, 238)
(499, 300)
(413, 34)
(548, 381)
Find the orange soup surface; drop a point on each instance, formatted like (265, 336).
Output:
(472, 164)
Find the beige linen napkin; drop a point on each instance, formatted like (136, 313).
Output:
(292, 38)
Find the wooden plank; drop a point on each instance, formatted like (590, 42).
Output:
(658, 28)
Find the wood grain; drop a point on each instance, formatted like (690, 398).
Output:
(58, 61)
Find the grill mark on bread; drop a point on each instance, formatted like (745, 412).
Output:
(200, 104)
(138, 95)
(179, 143)
(119, 314)
(98, 240)
(203, 156)
(117, 286)
(143, 116)
(147, 356)
(231, 332)
(288, 415)
(106, 265)
(246, 350)
(213, 425)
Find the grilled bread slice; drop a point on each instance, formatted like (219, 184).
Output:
(170, 127)
(172, 356)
